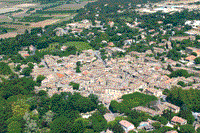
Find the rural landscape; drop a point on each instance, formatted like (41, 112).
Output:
(17, 16)
(100, 66)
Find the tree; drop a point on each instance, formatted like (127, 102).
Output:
(198, 130)
(102, 110)
(78, 126)
(187, 129)
(169, 68)
(26, 71)
(187, 114)
(14, 127)
(194, 53)
(181, 83)
(61, 125)
(18, 68)
(94, 98)
(5, 113)
(114, 106)
(42, 93)
(30, 65)
(99, 123)
(197, 60)
(74, 85)
(40, 78)
(156, 125)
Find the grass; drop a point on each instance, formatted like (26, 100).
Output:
(79, 45)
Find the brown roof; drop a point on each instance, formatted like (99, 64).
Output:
(125, 123)
(148, 110)
(171, 105)
(178, 119)
(191, 57)
(60, 75)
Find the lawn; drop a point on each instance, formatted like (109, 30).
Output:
(79, 45)
(136, 99)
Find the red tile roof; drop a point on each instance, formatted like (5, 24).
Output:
(60, 75)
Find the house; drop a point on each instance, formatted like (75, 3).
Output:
(148, 111)
(173, 107)
(178, 120)
(190, 58)
(129, 42)
(111, 44)
(109, 117)
(111, 23)
(152, 91)
(181, 38)
(137, 86)
(189, 50)
(63, 48)
(127, 126)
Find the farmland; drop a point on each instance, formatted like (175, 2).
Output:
(44, 23)
(18, 16)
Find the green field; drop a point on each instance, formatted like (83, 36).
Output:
(79, 45)
(34, 19)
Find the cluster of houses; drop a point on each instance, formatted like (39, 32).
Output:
(110, 79)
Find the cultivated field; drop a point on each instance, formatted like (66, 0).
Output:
(44, 23)
(67, 7)
(8, 35)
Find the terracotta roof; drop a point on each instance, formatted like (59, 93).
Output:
(60, 75)
(26, 55)
(178, 119)
(125, 123)
(191, 57)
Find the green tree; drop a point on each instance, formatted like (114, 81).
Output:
(99, 123)
(181, 83)
(40, 78)
(187, 129)
(61, 125)
(198, 130)
(197, 60)
(18, 68)
(156, 125)
(78, 126)
(169, 68)
(14, 127)
(187, 114)
(194, 53)
(26, 71)
(30, 65)
(103, 110)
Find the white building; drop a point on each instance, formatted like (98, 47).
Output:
(127, 126)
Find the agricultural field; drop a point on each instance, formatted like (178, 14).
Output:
(44, 23)
(8, 35)
(34, 19)
(67, 7)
